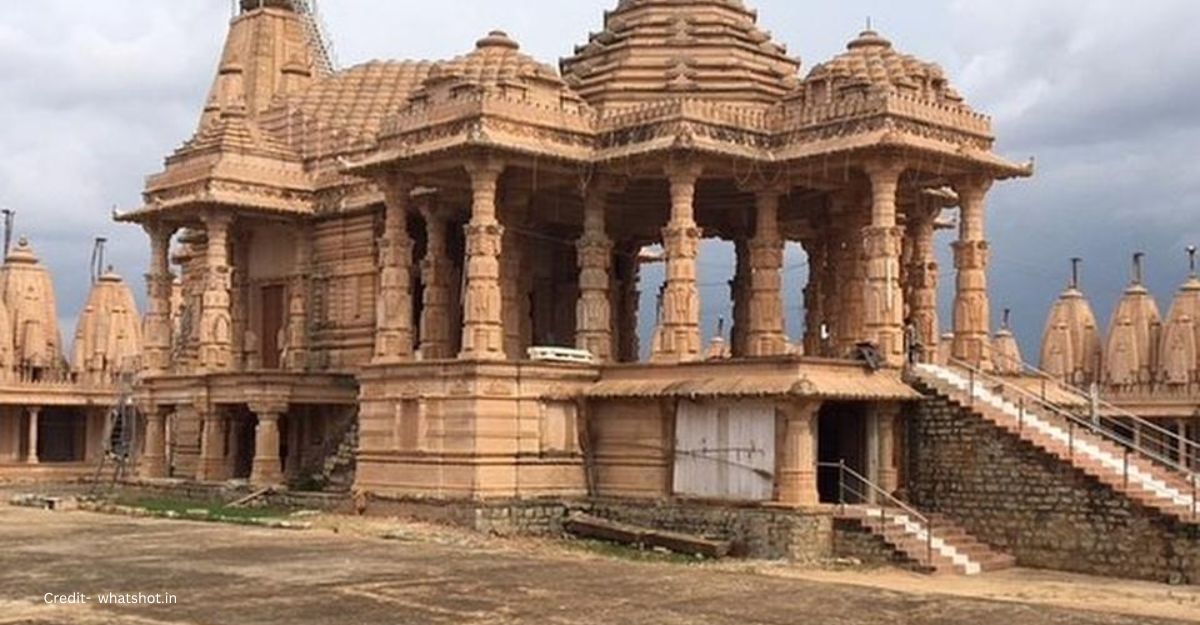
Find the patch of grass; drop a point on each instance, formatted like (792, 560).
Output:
(186, 508)
(626, 552)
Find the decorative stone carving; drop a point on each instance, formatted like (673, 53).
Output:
(766, 335)
(972, 315)
(216, 317)
(515, 279)
(883, 298)
(437, 272)
(593, 312)
(157, 329)
(678, 336)
(295, 346)
(394, 323)
(922, 278)
(483, 331)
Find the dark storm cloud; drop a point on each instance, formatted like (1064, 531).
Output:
(1103, 92)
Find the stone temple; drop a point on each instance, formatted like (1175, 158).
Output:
(422, 281)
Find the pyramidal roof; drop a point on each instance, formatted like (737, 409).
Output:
(1006, 352)
(1071, 343)
(652, 49)
(27, 290)
(1180, 349)
(108, 335)
(870, 61)
(1131, 354)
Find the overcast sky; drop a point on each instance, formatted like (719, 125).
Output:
(1103, 92)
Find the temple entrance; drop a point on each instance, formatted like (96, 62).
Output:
(842, 436)
(272, 325)
(241, 436)
(62, 436)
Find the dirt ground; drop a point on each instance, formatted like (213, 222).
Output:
(343, 572)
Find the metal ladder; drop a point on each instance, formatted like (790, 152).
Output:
(120, 437)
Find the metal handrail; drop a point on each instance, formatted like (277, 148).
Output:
(844, 470)
(1094, 425)
(1096, 401)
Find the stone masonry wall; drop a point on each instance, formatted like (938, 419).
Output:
(754, 532)
(1043, 511)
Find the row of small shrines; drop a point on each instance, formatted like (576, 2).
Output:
(1142, 351)
(108, 335)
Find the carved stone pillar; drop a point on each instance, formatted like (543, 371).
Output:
(766, 335)
(972, 314)
(212, 446)
(35, 412)
(157, 329)
(739, 292)
(393, 311)
(883, 299)
(514, 281)
(216, 317)
(678, 336)
(796, 475)
(154, 459)
(888, 468)
(922, 277)
(631, 296)
(483, 330)
(295, 348)
(815, 295)
(830, 285)
(851, 279)
(437, 271)
(267, 468)
(593, 312)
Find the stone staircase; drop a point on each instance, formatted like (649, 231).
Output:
(337, 470)
(1071, 440)
(948, 549)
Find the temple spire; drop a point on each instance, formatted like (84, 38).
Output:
(1191, 250)
(1076, 263)
(1138, 275)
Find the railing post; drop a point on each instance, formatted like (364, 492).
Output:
(1071, 439)
(842, 484)
(929, 542)
(971, 387)
(1126, 469)
(1021, 415)
(1043, 389)
(1194, 506)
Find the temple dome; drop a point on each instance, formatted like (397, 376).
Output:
(28, 293)
(108, 336)
(654, 49)
(1071, 343)
(496, 63)
(1006, 352)
(869, 63)
(1180, 349)
(1131, 355)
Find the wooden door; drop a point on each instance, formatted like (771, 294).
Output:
(725, 450)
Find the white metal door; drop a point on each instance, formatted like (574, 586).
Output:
(725, 450)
